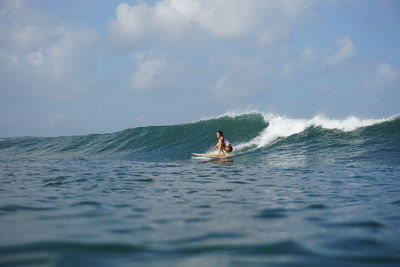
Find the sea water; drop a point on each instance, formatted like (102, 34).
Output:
(302, 192)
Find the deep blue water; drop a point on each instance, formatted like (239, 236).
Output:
(296, 192)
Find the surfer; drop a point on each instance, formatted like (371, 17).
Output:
(223, 144)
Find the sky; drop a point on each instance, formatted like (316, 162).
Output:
(73, 67)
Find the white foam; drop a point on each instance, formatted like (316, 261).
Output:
(281, 127)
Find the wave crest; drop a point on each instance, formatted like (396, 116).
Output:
(281, 127)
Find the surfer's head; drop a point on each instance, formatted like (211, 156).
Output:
(219, 134)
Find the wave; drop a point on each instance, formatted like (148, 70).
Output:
(253, 132)
(281, 127)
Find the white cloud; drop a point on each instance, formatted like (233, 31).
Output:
(308, 54)
(287, 69)
(383, 77)
(40, 54)
(241, 76)
(277, 18)
(228, 86)
(175, 17)
(151, 72)
(345, 53)
(268, 21)
(35, 58)
(177, 22)
(130, 21)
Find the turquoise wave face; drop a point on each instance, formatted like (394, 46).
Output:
(255, 137)
(147, 143)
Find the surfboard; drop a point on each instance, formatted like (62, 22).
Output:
(210, 156)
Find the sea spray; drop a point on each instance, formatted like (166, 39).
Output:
(281, 127)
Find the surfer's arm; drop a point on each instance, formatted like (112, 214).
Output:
(214, 147)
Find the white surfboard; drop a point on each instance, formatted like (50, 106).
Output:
(210, 156)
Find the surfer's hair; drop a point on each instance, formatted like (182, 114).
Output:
(221, 133)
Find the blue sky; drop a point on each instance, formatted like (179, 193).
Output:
(78, 67)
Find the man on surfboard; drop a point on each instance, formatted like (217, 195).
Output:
(223, 144)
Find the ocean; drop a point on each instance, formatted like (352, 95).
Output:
(296, 192)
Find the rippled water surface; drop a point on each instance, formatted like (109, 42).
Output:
(295, 192)
(81, 212)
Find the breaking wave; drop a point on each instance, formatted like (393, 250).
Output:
(252, 133)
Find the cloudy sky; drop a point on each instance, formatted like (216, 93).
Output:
(88, 66)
